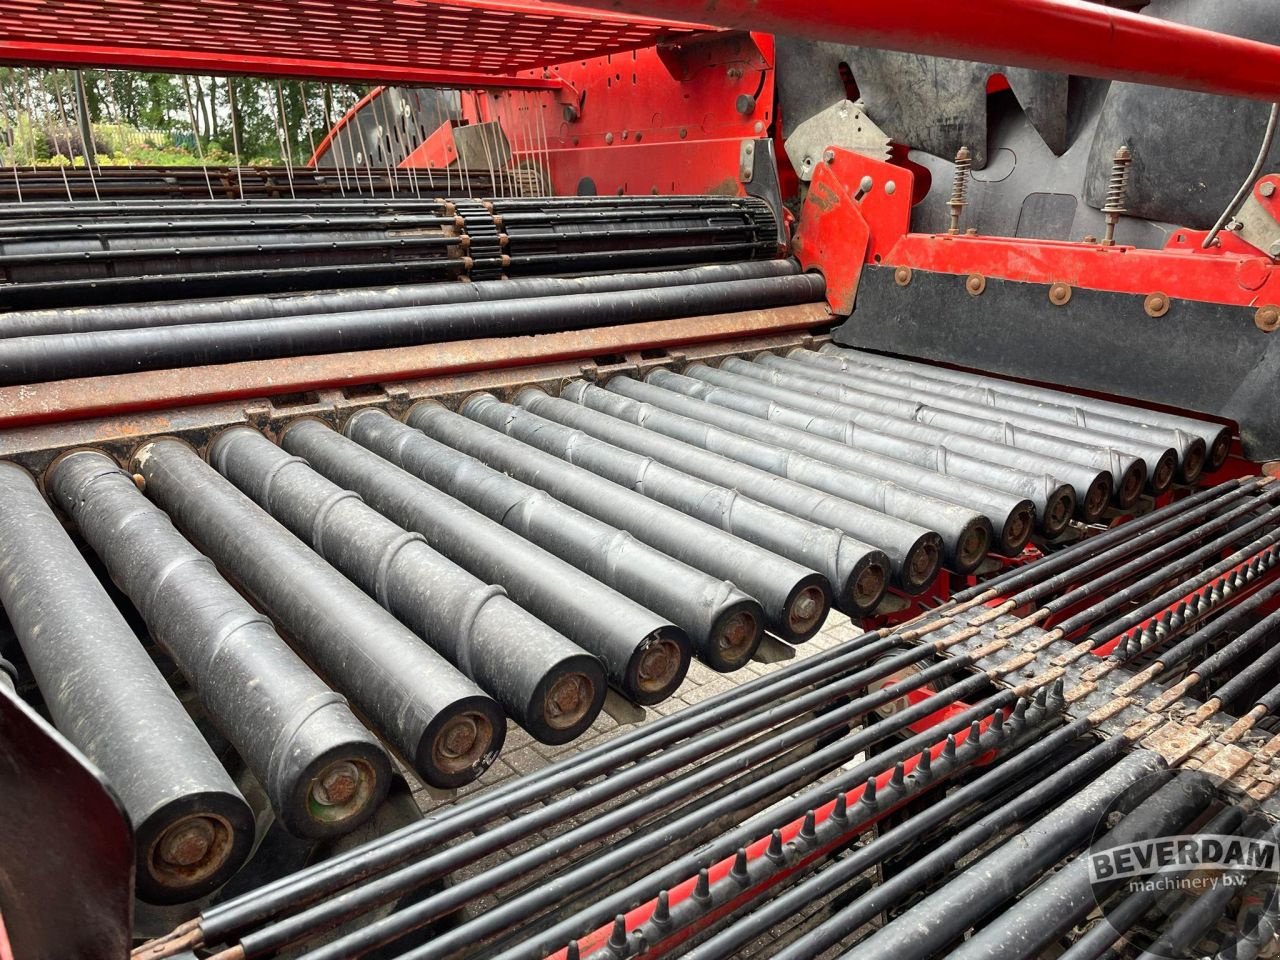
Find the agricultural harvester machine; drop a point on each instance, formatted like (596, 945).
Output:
(701, 480)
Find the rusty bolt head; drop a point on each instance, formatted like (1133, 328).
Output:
(805, 610)
(737, 632)
(1089, 238)
(460, 738)
(567, 700)
(902, 276)
(971, 232)
(1059, 294)
(975, 283)
(1267, 188)
(187, 843)
(655, 663)
(336, 785)
(1156, 305)
(806, 607)
(1267, 318)
(658, 665)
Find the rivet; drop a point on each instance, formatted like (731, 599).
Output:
(902, 276)
(975, 284)
(1156, 305)
(1059, 294)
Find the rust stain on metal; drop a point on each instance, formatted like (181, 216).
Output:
(1176, 741)
(1225, 761)
(39, 403)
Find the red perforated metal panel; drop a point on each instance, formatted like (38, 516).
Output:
(465, 42)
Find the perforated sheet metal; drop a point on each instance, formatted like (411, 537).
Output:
(406, 41)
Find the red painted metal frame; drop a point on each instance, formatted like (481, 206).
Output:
(1061, 36)
(663, 119)
(1231, 273)
(460, 43)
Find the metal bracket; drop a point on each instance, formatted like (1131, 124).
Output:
(843, 125)
(746, 161)
(1258, 221)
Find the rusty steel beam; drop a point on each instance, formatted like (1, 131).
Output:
(1060, 36)
(65, 400)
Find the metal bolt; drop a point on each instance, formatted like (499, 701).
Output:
(1275, 249)
(828, 156)
(746, 104)
(460, 738)
(187, 843)
(567, 700)
(1267, 188)
(658, 665)
(890, 188)
(902, 276)
(608, 138)
(1059, 294)
(1156, 305)
(976, 283)
(337, 785)
(1267, 318)
(738, 632)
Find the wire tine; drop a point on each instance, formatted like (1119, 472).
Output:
(235, 134)
(364, 151)
(286, 141)
(340, 137)
(383, 141)
(195, 132)
(85, 123)
(488, 159)
(402, 138)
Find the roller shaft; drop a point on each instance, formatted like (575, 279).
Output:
(915, 551)
(1053, 499)
(291, 730)
(191, 827)
(966, 534)
(438, 719)
(1013, 518)
(546, 683)
(724, 623)
(795, 599)
(645, 656)
(1092, 487)
(34, 359)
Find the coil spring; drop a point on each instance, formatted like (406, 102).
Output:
(1119, 181)
(960, 182)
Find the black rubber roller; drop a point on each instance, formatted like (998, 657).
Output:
(440, 721)
(191, 827)
(323, 771)
(545, 682)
